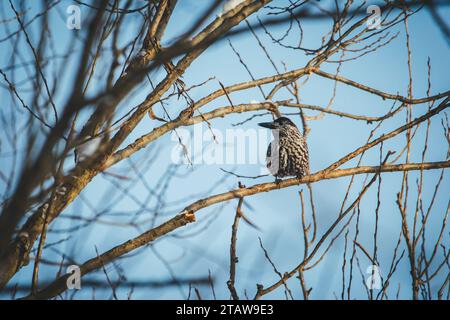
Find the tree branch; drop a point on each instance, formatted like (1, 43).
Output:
(187, 215)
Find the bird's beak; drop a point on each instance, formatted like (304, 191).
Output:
(268, 125)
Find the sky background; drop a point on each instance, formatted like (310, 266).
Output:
(203, 247)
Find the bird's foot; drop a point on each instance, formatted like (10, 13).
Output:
(277, 180)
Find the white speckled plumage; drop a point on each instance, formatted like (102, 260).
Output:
(287, 154)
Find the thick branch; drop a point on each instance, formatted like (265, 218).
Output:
(60, 284)
(187, 215)
(14, 255)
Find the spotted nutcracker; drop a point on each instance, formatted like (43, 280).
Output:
(287, 154)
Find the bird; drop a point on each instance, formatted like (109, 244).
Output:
(287, 154)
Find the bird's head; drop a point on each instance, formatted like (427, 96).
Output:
(281, 123)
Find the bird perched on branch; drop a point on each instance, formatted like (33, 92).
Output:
(287, 154)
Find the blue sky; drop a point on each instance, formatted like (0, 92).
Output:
(277, 213)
